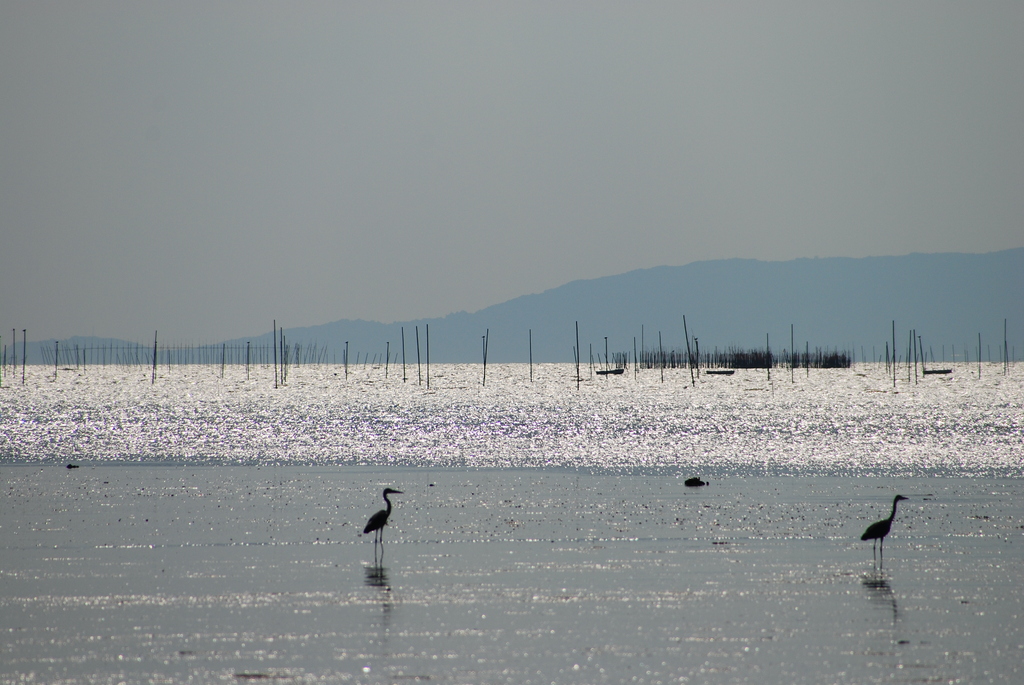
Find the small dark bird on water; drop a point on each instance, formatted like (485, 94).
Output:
(379, 520)
(879, 529)
(694, 482)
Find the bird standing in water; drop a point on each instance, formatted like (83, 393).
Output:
(879, 529)
(378, 521)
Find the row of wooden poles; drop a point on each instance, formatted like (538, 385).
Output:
(284, 355)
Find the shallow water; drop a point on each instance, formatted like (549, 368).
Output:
(165, 574)
(575, 555)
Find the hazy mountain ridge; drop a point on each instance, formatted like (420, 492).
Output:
(848, 303)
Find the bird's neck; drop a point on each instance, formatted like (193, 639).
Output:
(389, 505)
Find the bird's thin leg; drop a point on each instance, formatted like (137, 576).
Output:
(881, 552)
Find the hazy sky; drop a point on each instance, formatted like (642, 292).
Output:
(202, 168)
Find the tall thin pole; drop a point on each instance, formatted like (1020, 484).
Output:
(56, 356)
(284, 356)
(792, 355)
(577, 356)
(484, 339)
(153, 381)
(275, 354)
(913, 344)
(661, 353)
(248, 354)
(346, 360)
(428, 356)
(894, 353)
(689, 354)
(768, 358)
(387, 358)
(979, 354)
(24, 353)
(635, 362)
(403, 354)
(419, 372)
(909, 354)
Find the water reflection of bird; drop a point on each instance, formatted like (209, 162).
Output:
(881, 592)
(378, 521)
(377, 576)
(877, 531)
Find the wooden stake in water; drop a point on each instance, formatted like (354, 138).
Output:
(635, 362)
(791, 355)
(248, 350)
(894, 353)
(24, 353)
(578, 379)
(689, 354)
(485, 339)
(275, 354)
(979, 355)
(419, 373)
(661, 353)
(403, 354)
(153, 381)
(387, 358)
(56, 356)
(428, 356)
(913, 344)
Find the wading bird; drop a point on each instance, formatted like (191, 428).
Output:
(879, 529)
(378, 521)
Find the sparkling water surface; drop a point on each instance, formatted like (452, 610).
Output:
(213, 531)
(825, 422)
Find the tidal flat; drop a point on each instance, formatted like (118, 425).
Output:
(544, 534)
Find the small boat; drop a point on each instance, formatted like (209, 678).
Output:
(720, 372)
(929, 372)
(610, 372)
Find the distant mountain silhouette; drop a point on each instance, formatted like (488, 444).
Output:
(834, 302)
(841, 303)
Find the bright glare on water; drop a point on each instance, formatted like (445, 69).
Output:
(544, 534)
(825, 422)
